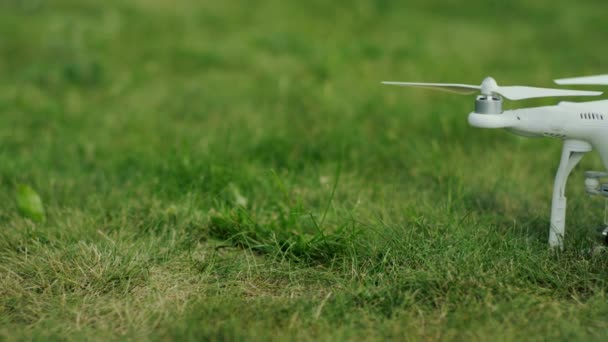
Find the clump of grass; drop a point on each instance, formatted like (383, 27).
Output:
(288, 232)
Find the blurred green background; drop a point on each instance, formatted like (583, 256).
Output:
(232, 170)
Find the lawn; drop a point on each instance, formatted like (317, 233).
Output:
(234, 170)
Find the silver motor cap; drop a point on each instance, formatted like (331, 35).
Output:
(488, 104)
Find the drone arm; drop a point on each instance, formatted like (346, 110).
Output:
(572, 153)
(504, 120)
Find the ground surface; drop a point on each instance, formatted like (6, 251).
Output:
(224, 169)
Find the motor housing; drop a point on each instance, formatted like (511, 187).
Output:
(488, 104)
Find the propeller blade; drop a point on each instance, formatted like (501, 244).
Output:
(464, 89)
(489, 86)
(586, 80)
(523, 92)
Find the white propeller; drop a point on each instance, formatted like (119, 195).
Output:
(489, 87)
(590, 80)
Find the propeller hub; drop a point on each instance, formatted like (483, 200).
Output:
(488, 86)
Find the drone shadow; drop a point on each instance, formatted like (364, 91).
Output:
(521, 218)
(515, 219)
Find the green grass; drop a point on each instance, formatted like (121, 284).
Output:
(234, 170)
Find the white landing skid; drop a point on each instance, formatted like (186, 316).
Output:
(572, 153)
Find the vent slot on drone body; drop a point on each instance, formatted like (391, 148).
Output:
(592, 116)
(555, 135)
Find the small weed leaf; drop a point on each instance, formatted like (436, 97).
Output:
(239, 199)
(29, 203)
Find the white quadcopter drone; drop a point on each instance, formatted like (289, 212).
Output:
(581, 125)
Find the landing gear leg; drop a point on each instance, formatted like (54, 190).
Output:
(572, 153)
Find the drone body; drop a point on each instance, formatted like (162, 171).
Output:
(583, 126)
(585, 121)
